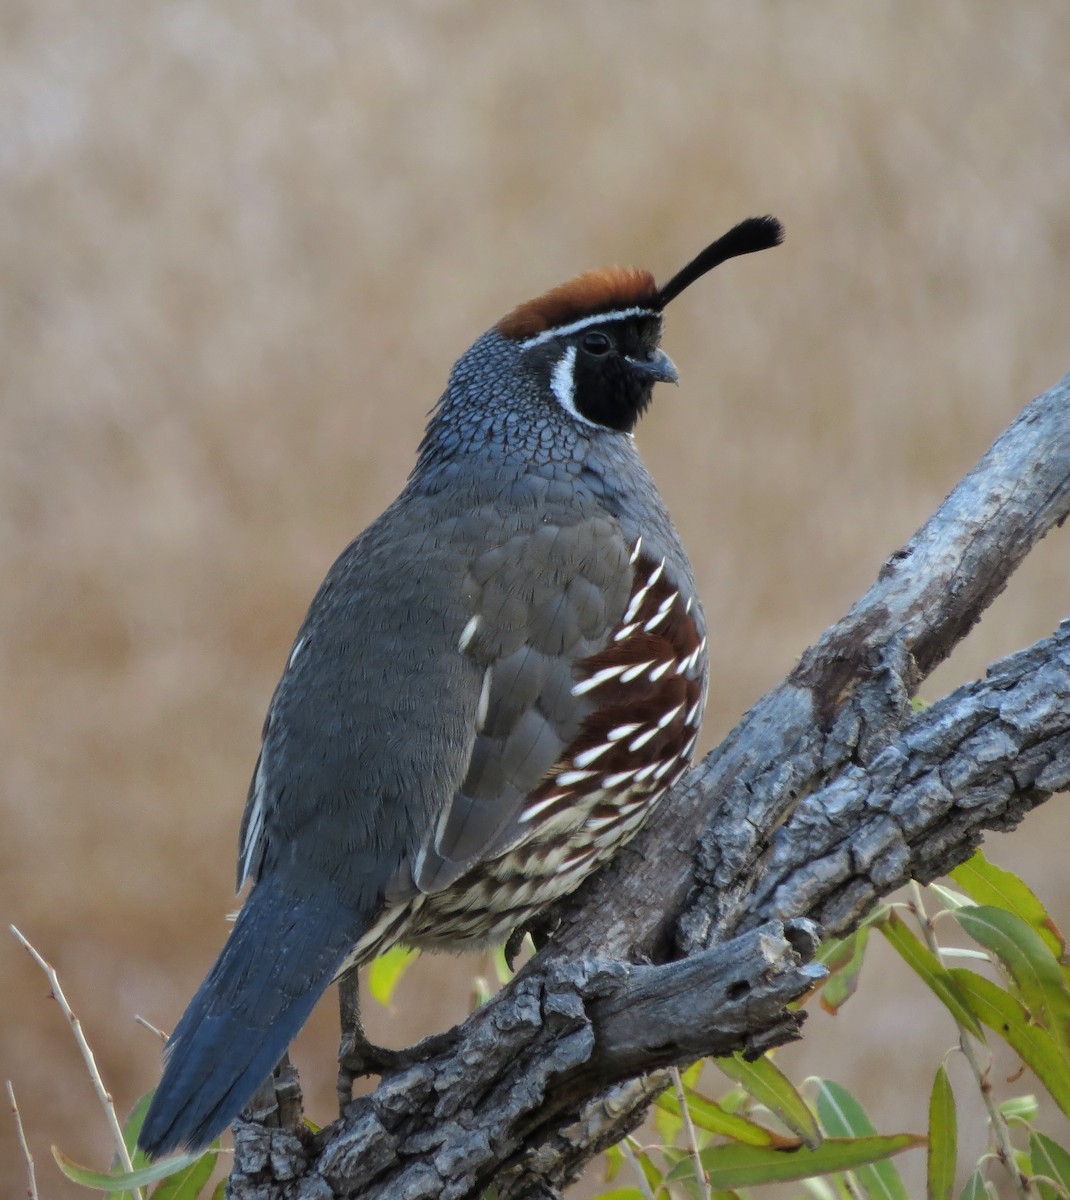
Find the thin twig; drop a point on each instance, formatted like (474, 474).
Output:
(31, 1191)
(692, 1137)
(151, 1028)
(87, 1054)
(633, 1162)
(999, 1127)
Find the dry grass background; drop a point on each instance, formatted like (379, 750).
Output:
(239, 249)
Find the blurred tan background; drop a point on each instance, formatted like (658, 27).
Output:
(240, 248)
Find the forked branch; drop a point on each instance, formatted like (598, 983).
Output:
(827, 795)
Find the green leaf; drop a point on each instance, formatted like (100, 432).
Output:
(187, 1184)
(1020, 1108)
(949, 896)
(104, 1181)
(621, 1193)
(667, 1118)
(1052, 1161)
(614, 1157)
(709, 1116)
(985, 883)
(386, 971)
(735, 1165)
(649, 1169)
(943, 1138)
(131, 1129)
(843, 958)
(977, 1189)
(1029, 962)
(842, 1116)
(929, 969)
(1005, 1015)
(771, 1087)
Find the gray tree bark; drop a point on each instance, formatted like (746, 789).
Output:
(830, 793)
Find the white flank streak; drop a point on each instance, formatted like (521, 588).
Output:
(621, 314)
(625, 631)
(660, 670)
(484, 700)
(467, 633)
(642, 739)
(601, 822)
(599, 677)
(690, 601)
(636, 602)
(661, 614)
(635, 552)
(529, 814)
(300, 645)
(669, 716)
(568, 778)
(622, 731)
(646, 772)
(665, 767)
(693, 712)
(636, 671)
(589, 756)
(614, 781)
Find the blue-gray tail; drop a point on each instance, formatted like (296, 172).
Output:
(280, 957)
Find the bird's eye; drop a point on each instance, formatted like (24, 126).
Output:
(596, 342)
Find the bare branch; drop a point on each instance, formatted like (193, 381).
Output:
(829, 793)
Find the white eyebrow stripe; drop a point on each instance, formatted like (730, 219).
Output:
(620, 314)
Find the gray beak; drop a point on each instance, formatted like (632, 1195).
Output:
(659, 367)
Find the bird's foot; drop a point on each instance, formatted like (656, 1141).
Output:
(540, 928)
(358, 1057)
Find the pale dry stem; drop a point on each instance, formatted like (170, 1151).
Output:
(87, 1054)
(31, 1175)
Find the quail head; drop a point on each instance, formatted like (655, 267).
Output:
(493, 688)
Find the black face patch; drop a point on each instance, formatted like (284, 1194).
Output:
(607, 384)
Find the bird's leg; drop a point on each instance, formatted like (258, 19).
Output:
(357, 1056)
(540, 928)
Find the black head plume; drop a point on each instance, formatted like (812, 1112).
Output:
(755, 233)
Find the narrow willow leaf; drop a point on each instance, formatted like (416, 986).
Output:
(136, 1119)
(1005, 1015)
(844, 959)
(667, 1119)
(1049, 1159)
(949, 896)
(621, 1193)
(985, 883)
(943, 1138)
(187, 1184)
(614, 1157)
(650, 1170)
(131, 1129)
(104, 1181)
(1029, 962)
(735, 1165)
(842, 1116)
(977, 1189)
(386, 971)
(929, 969)
(1020, 1108)
(709, 1116)
(765, 1081)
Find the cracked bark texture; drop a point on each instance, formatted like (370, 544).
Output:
(830, 793)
